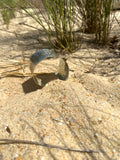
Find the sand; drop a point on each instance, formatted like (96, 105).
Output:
(82, 112)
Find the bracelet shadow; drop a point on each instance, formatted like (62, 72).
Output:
(31, 86)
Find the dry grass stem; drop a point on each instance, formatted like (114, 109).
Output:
(12, 141)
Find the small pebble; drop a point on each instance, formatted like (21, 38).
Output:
(8, 130)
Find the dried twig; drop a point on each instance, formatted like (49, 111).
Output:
(13, 69)
(13, 141)
(15, 74)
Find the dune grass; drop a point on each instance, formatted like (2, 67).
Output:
(56, 21)
(58, 18)
(96, 18)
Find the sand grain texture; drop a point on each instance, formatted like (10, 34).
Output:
(80, 113)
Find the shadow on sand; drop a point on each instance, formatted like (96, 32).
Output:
(31, 86)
